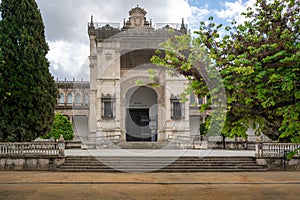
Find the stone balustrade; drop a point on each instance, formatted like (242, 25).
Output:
(275, 150)
(41, 155)
(32, 149)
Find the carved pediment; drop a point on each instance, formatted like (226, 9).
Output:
(137, 11)
(137, 19)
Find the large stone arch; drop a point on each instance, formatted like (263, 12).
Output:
(129, 84)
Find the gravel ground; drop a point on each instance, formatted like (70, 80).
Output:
(154, 186)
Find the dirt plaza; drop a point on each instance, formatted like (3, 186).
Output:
(154, 186)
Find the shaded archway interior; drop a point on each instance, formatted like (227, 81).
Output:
(141, 115)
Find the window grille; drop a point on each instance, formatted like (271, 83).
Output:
(177, 108)
(108, 106)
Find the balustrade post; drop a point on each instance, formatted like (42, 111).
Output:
(61, 146)
(259, 149)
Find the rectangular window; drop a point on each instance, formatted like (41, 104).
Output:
(108, 107)
(192, 99)
(177, 108)
(86, 99)
(200, 100)
(108, 110)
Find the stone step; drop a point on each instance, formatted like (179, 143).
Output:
(129, 162)
(160, 164)
(168, 170)
(156, 160)
(157, 167)
(225, 159)
(146, 145)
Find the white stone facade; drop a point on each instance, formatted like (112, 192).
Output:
(126, 101)
(129, 99)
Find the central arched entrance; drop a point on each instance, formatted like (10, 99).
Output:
(141, 115)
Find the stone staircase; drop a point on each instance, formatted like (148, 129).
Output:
(159, 164)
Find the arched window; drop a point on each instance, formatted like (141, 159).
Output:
(86, 99)
(61, 98)
(70, 98)
(78, 98)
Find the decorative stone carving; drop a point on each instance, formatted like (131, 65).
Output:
(106, 32)
(137, 19)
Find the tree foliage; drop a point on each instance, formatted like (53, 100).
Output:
(27, 89)
(61, 126)
(259, 62)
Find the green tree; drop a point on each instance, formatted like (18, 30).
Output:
(259, 63)
(27, 91)
(61, 126)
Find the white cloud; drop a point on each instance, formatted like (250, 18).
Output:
(66, 25)
(67, 57)
(234, 9)
(67, 19)
(176, 11)
(198, 15)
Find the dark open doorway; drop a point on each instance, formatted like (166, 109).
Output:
(141, 115)
(138, 129)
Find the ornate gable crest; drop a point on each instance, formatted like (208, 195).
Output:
(137, 11)
(137, 19)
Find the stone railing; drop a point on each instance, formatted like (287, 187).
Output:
(33, 149)
(250, 138)
(189, 142)
(275, 150)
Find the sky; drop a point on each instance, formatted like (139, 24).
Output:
(66, 24)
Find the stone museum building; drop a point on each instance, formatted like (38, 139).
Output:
(128, 99)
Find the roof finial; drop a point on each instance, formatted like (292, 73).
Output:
(183, 28)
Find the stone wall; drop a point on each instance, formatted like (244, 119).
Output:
(277, 164)
(30, 162)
